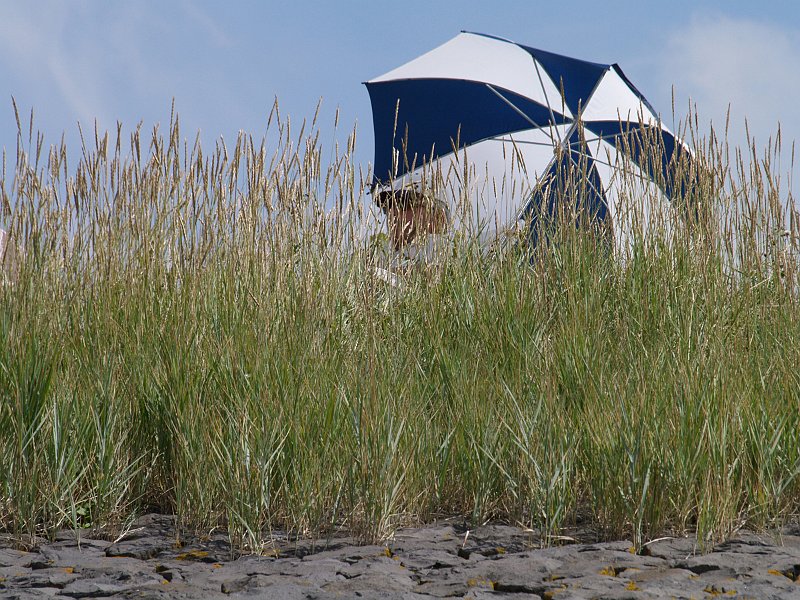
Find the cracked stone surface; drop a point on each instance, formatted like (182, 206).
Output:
(444, 560)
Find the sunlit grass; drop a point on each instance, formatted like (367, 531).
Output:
(202, 332)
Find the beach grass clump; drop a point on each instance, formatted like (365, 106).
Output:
(203, 332)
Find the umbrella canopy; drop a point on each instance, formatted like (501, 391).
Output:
(508, 127)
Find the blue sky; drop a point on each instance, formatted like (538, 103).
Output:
(225, 62)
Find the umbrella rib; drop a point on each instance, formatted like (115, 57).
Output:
(498, 139)
(601, 195)
(522, 114)
(615, 167)
(546, 99)
(586, 178)
(607, 139)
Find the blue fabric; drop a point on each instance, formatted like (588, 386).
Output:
(633, 137)
(434, 112)
(571, 177)
(576, 79)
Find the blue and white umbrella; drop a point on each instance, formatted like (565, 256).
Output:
(501, 124)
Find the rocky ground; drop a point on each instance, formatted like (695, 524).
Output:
(439, 561)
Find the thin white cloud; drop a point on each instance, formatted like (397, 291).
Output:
(38, 47)
(720, 62)
(216, 34)
(88, 62)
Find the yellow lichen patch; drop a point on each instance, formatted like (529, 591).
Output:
(387, 552)
(550, 594)
(789, 573)
(713, 590)
(69, 570)
(500, 550)
(632, 587)
(554, 577)
(611, 571)
(271, 553)
(475, 582)
(216, 566)
(792, 574)
(164, 581)
(192, 555)
(775, 572)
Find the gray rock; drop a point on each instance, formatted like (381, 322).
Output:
(92, 589)
(436, 561)
(428, 560)
(442, 588)
(236, 584)
(10, 557)
(284, 591)
(349, 554)
(142, 548)
(680, 548)
(29, 594)
(485, 595)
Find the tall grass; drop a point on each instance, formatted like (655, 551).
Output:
(201, 332)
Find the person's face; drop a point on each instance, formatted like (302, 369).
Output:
(406, 223)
